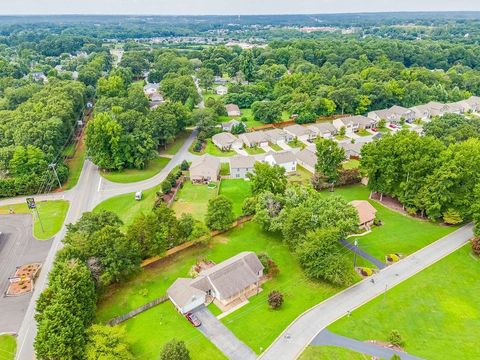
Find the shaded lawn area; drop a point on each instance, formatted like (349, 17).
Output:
(173, 147)
(254, 150)
(75, 165)
(8, 346)
(126, 207)
(302, 175)
(52, 215)
(331, 353)
(351, 164)
(398, 234)
(255, 323)
(237, 190)
(153, 167)
(193, 199)
(433, 311)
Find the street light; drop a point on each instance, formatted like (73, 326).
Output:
(355, 243)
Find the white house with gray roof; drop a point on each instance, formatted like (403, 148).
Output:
(204, 169)
(240, 166)
(325, 130)
(254, 138)
(226, 141)
(285, 159)
(393, 115)
(307, 158)
(228, 281)
(300, 132)
(229, 125)
(276, 136)
(351, 150)
(353, 124)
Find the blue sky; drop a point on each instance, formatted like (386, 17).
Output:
(235, 7)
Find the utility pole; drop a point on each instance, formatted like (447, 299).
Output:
(32, 206)
(53, 165)
(355, 243)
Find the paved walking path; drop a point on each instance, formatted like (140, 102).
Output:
(328, 338)
(363, 254)
(291, 343)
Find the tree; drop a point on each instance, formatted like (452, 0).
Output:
(206, 78)
(219, 213)
(267, 178)
(175, 350)
(267, 112)
(329, 159)
(396, 339)
(180, 89)
(106, 342)
(321, 257)
(452, 217)
(184, 166)
(275, 299)
(205, 121)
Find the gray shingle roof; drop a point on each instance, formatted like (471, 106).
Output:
(282, 157)
(182, 293)
(308, 157)
(242, 162)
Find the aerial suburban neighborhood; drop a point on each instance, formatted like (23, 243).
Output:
(287, 180)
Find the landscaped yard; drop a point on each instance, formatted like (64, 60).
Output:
(126, 207)
(436, 312)
(52, 215)
(212, 149)
(8, 346)
(193, 199)
(331, 353)
(255, 323)
(237, 190)
(363, 132)
(399, 233)
(173, 147)
(254, 150)
(133, 175)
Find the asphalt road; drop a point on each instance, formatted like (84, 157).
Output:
(17, 247)
(291, 343)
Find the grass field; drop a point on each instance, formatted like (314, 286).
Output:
(75, 165)
(154, 166)
(435, 311)
(255, 323)
(254, 150)
(351, 164)
(8, 346)
(399, 233)
(126, 207)
(302, 175)
(236, 190)
(193, 199)
(173, 147)
(275, 147)
(211, 149)
(331, 353)
(52, 216)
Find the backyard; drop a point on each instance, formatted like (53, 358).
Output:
(212, 149)
(193, 199)
(8, 346)
(237, 190)
(153, 167)
(254, 150)
(52, 215)
(443, 311)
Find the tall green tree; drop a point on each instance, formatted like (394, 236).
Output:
(175, 350)
(219, 213)
(267, 178)
(329, 159)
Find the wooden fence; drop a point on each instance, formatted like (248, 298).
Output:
(129, 315)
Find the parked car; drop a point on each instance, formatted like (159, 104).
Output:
(393, 126)
(193, 319)
(138, 195)
(374, 129)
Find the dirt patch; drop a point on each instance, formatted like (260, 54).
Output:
(393, 204)
(385, 345)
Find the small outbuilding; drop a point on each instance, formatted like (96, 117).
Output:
(366, 213)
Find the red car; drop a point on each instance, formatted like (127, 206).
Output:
(374, 129)
(193, 319)
(393, 126)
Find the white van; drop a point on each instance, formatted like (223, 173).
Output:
(138, 195)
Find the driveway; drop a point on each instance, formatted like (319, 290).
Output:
(223, 338)
(241, 152)
(284, 145)
(267, 148)
(17, 247)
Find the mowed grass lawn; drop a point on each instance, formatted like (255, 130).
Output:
(153, 167)
(237, 190)
(173, 147)
(398, 234)
(255, 323)
(52, 216)
(436, 312)
(193, 199)
(8, 346)
(331, 353)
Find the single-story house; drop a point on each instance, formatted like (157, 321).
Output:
(150, 89)
(226, 141)
(254, 138)
(233, 110)
(228, 126)
(277, 135)
(393, 115)
(240, 166)
(204, 169)
(429, 110)
(300, 132)
(307, 158)
(221, 90)
(351, 150)
(366, 212)
(354, 123)
(231, 280)
(458, 107)
(39, 76)
(218, 80)
(155, 100)
(325, 130)
(285, 159)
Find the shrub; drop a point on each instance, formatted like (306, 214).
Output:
(476, 245)
(270, 267)
(248, 206)
(172, 179)
(396, 339)
(275, 299)
(198, 146)
(184, 166)
(349, 177)
(175, 350)
(452, 217)
(166, 186)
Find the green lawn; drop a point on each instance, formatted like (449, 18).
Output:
(224, 169)
(193, 199)
(252, 122)
(384, 130)
(351, 164)
(399, 233)
(173, 147)
(255, 323)
(275, 147)
(363, 132)
(8, 346)
(237, 190)
(52, 216)
(331, 353)
(341, 137)
(302, 175)
(133, 175)
(435, 311)
(210, 94)
(254, 150)
(212, 149)
(296, 144)
(75, 165)
(126, 207)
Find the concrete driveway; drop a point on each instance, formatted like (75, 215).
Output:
(284, 145)
(223, 338)
(17, 247)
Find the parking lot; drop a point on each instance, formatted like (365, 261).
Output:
(17, 247)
